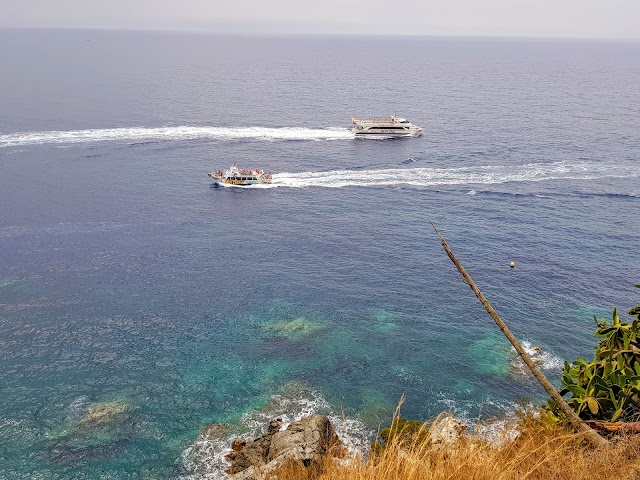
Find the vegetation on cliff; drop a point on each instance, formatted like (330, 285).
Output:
(608, 387)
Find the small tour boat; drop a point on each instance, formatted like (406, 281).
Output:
(387, 126)
(241, 176)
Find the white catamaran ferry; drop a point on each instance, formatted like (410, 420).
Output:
(241, 176)
(387, 126)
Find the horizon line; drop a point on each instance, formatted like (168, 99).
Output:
(209, 32)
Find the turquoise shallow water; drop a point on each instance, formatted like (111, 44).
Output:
(132, 288)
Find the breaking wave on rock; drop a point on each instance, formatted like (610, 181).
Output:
(205, 458)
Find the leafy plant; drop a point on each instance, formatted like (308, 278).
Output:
(608, 387)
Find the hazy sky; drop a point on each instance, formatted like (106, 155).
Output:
(540, 18)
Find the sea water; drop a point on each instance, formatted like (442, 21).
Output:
(131, 285)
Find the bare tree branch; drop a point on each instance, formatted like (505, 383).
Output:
(575, 420)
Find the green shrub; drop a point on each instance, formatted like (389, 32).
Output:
(608, 387)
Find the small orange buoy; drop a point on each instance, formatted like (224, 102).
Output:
(512, 264)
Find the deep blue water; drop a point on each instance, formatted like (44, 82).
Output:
(127, 277)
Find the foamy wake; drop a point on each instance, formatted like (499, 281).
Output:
(140, 134)
(428, 176)
(205, 458)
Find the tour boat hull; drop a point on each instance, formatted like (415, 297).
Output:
(241, 177)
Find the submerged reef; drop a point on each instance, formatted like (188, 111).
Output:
(104, 430)
(383, 322)
(296, 329)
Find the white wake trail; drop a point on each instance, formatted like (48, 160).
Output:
(186, 132)
(427, 176)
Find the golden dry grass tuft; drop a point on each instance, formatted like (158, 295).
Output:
(540, 452)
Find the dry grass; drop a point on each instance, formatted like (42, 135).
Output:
(539, 452)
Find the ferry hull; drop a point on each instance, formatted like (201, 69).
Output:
(385, 127)
(388, 134)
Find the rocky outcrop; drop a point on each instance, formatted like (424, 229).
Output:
(446, 430)
(252, 454)
(309, 441)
